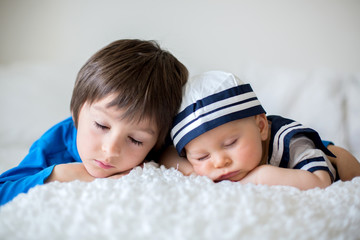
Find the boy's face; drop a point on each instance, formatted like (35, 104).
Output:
(230, 151)
(109, 144)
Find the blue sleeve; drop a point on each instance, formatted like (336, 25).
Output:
(56, 146)
(327, 143)
(32, 171)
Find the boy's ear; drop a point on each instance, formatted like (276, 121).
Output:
(262, 123)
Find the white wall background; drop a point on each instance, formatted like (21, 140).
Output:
(204, 34)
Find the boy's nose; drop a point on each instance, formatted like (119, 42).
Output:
(111, 147)
(221, 161)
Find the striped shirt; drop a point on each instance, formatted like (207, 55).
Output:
(292, 145)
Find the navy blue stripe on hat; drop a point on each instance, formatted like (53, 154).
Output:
(212, 111)
(209, 104)
(235, 91)
(207, 126)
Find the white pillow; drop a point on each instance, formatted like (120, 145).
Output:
(315, 99)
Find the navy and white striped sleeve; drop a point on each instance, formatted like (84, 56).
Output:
(304, 155)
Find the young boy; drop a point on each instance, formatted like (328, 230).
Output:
(122, 106)
(224, 133)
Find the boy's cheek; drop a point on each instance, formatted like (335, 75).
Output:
(87, 144)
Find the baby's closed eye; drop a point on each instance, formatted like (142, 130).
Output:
(230, 142)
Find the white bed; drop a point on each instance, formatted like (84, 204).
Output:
(159, 203)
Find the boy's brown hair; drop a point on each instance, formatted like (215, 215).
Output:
(146, 80)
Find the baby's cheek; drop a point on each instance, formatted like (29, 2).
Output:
(251, 151)
(201, 169)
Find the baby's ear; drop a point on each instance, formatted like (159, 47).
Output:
(263, 125)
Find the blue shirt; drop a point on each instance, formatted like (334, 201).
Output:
(56, 146)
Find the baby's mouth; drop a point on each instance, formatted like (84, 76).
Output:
(227, 176)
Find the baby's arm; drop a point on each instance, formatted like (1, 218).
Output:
(307, 167)
(347, 166)
(302, 179)
(264, 174)
(170, 158)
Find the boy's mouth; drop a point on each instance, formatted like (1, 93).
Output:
(103, 165)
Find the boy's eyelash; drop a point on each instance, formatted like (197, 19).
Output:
(135, 141)
(102, 127)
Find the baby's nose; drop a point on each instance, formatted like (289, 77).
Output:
(222, 161)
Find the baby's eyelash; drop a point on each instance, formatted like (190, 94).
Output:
(231, 143)
(203, 158)
(135, 141)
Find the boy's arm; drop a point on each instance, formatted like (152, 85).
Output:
(35, 170)
(302, 179)
(69, 172)
(19, 180)
(170, 158)
(76, 171)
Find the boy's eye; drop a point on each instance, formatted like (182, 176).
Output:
(100, 126)
(136, 142)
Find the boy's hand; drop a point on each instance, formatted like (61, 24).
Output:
(170, 159)
(69, 172)
(119, 175)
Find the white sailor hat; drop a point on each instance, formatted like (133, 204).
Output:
(209, 100)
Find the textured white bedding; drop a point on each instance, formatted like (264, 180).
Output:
(155, 203)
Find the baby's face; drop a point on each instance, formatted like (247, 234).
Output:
(109, 144)
(230, 151)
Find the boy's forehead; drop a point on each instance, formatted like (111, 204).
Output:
(104, 105)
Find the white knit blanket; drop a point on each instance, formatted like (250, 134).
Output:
(157, 203)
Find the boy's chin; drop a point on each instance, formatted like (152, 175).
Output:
(97, 172)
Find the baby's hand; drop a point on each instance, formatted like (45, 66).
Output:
(253, 175)
(119, 175)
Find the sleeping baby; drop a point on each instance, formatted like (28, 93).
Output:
(224, 133)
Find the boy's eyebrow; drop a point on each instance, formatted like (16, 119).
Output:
(148, 130)
(101, 109)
